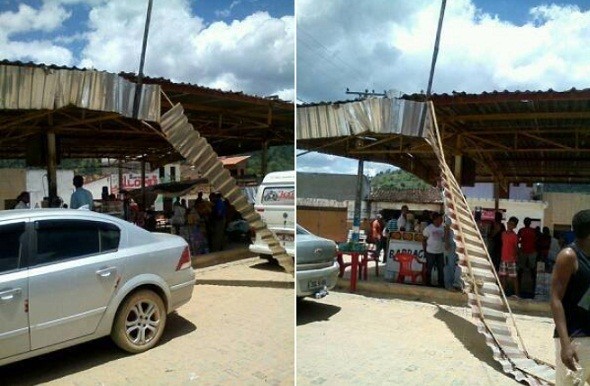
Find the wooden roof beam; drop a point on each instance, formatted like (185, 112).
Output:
(515, 116)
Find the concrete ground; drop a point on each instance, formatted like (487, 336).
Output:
(353, 339)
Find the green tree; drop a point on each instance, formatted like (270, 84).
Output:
(397, 179)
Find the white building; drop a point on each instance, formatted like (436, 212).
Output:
(34, 181)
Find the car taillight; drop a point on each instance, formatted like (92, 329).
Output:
(185, 260)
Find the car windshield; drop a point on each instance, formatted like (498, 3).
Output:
(302, 231)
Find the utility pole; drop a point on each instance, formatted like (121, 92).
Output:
(356, 221)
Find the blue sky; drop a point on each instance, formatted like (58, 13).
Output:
(239, 45)
(486, 45)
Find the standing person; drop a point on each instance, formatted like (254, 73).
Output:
(23, 201)
(509, 255)
(554, 249)
(402, 221)
(178, 218)
(434, 248)
(450, 256)
(391, 226)
(527, 258)
(495, 240)
(218, 218)
(570, 305)
(81, 197)
(377, 235)
(543, 245)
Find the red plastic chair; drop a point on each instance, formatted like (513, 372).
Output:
(364, 264)
(405, 267)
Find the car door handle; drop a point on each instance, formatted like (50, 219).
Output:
(9, 294)
(106, 272)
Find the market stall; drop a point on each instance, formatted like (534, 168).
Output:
(406, 262)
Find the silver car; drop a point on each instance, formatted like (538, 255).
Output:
(317, 269)
(70, 276)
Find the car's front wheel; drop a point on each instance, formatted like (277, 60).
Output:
(139, 322)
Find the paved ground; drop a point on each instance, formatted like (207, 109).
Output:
(348, 339)
(237, 329)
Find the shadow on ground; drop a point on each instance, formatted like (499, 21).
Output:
(61, 363)
(247, 283)
(310, 311)
(268, 266)
(467, 334)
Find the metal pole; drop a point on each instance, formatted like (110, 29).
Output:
(356, 222)
(138, 87)
(433, 64)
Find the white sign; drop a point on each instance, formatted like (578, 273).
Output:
(403, 246)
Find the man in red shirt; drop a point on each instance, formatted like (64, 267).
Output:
(509, 255)
(527, 259)
(377, 236)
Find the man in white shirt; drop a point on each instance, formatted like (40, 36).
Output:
(434, 247)
(402, 221)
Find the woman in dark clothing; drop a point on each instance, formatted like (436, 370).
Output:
(570, 305)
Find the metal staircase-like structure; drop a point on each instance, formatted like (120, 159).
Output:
(486, 297)
(196, 150)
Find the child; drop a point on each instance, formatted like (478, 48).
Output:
(509, 255)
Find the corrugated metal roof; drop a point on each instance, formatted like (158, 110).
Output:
(513, 136)
(47, 88)
(372, 115)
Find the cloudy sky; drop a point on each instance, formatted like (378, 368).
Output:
(486, 45)
(239, 45)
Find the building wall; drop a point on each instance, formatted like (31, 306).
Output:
(14, 181)
(37, 185)
(33, 181)
(561, 207)
(329, 223)
(517, 208)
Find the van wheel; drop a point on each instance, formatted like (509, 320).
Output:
(139, 322)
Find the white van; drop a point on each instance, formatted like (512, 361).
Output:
(275, 202)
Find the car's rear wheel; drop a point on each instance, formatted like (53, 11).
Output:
(139, 322)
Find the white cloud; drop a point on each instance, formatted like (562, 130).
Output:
(386, 45)
(47, 18)
(326, 163)
(254, 55)
(26, 19)
(226, 12)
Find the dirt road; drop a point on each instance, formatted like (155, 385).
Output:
(237, 329)
(347, 339)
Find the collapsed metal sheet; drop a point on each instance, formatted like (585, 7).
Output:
(486, 298)
(38, 88)
(376, 115)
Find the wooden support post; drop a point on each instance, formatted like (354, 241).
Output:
(120, 176)
(496, 196)
(143, 198)
(264, 158)
(52, 168)
(458, 170)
